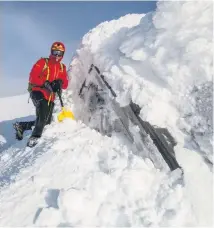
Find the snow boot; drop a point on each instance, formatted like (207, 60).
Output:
(19, 130)
(32, 141)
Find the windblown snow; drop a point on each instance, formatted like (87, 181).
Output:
(75, 176)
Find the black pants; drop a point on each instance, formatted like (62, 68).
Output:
(43, 114)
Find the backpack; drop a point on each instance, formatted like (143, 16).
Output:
(31, 85)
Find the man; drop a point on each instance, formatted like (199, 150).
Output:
(47, 77)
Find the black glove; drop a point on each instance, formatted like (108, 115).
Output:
(56, 85)
(47, 85)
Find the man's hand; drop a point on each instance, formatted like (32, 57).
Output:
(48, 86)
(56, 85)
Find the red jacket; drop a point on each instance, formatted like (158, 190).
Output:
(52, 72)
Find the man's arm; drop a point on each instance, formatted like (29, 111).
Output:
(36, 72)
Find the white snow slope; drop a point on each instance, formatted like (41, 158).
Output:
(77, 177)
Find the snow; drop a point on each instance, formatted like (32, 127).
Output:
(77, 177)
(96, 184)
(14, 109)
(164, 64)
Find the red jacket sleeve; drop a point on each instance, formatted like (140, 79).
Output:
(64, 78)
(36, 71)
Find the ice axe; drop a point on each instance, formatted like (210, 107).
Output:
(64, 113)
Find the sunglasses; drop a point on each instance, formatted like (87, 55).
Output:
(57, 53)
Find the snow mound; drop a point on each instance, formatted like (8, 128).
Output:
(163, 63)
(157, 60)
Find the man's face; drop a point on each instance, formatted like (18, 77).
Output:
(58, 58)
(57, 54)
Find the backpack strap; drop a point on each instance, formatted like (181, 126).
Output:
(61, 66)
(46, 67)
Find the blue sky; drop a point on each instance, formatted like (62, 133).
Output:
(29, 28)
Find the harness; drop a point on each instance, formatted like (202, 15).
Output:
(31, 85)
